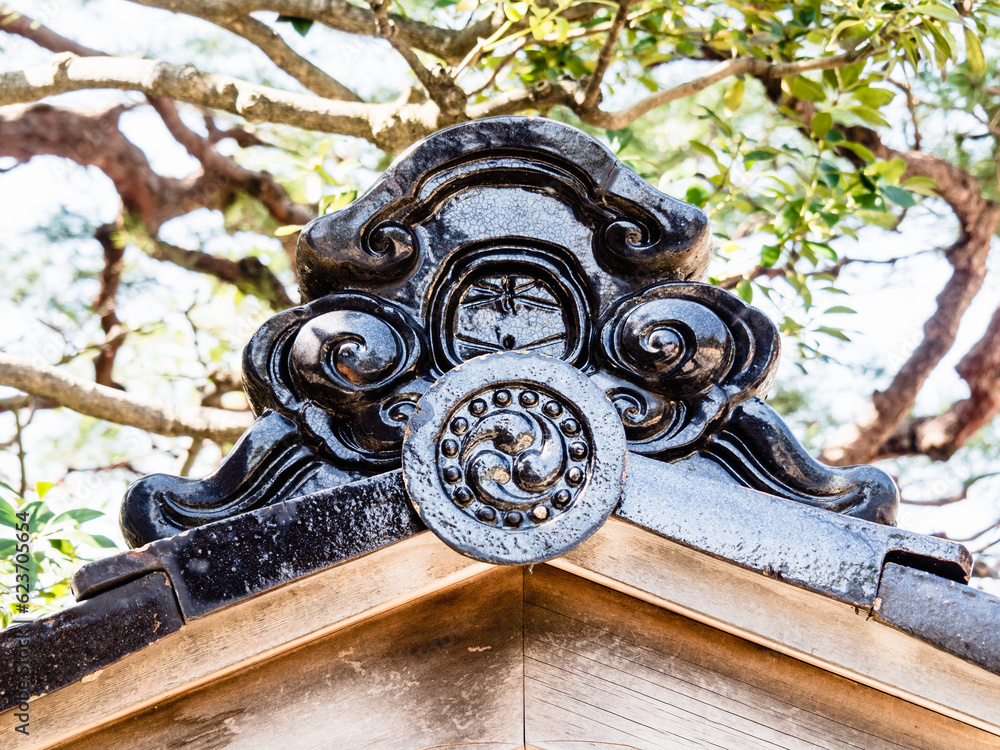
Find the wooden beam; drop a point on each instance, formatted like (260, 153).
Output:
(212, 647)
(817, 630)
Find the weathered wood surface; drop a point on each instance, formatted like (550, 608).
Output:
(244, 634)
(570, 663)
(598, 668)
(442, 670)
(604, 667)
(817, 630)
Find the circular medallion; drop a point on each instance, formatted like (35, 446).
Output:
(514, 458)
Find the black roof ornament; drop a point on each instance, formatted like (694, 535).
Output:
(502, 314)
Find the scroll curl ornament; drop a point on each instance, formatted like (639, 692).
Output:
(345, 369)
(514, 458)
(677, 355)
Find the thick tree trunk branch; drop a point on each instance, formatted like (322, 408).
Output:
(866, 439)
(95, 140)
(392, 127)
(184, 83)
(941, 436)
(261, 185)
(113, 405)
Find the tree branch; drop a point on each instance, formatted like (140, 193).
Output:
(248, 275)
(95, 140)
(104, 305)
(941, 436)
(14, 22)
(448, 44)
(261, 185)
(440, 87)
(745, 65)
(266, 39)
(572, 94)
(184, 83)
(592, 95)
(863, 440)
(112, 405)
(963, 494)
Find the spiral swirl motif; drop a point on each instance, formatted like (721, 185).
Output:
(346, 356)
(674, 346)
(514, 457)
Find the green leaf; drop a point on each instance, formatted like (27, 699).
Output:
(898, 196)
(922, 185)
(697, 194)
(944, 12)
(835, 332)
(335, 201)
(890, 170)
(745, 291)
(869, 116)
(836, 309)
(803, 88)
(758, 154)
(80, 515)
(859, 150)
(38, 513)
(788, 217)
(74, 535)
(733, 97)
(288, 229)
(822, 250)
(42, 488)
(769, 255)
(874, 97)
(706, 150)
(8, 516)
(878, 218)
(821, 124)
(829, 218)
(301, 25)
(974, 53)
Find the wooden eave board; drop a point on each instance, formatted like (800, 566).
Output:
(543, 658)
(253, 630)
